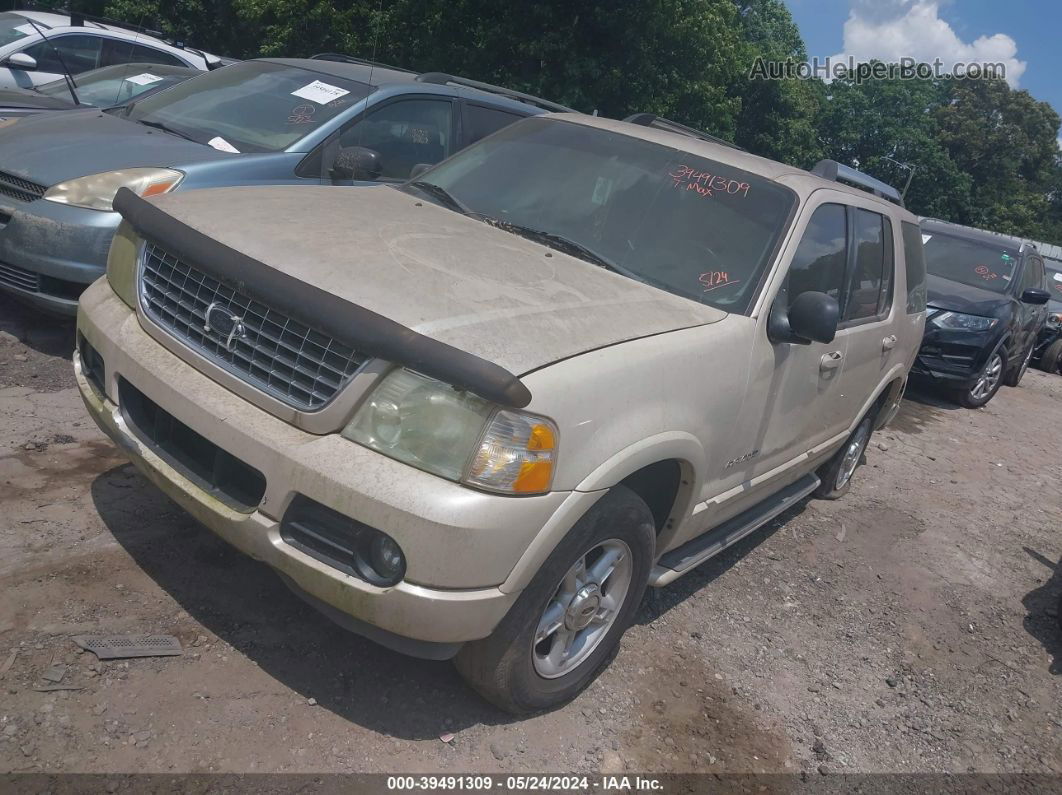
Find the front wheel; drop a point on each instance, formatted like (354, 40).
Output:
(987, 384)
(567, 623)
(1013, 379)
(1051, 360)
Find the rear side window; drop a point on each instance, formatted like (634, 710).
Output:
(870, 288)
(915, 264)
(481, 121)
(1033, 277)
(119, 52)
(819, 262)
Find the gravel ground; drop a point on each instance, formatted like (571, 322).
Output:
(909, 627)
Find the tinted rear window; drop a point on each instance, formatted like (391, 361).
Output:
(915, 262)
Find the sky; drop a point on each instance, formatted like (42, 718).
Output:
(1022, 34)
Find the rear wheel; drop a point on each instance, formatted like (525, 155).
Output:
(987, 384)
(836, 474)
(567, 623)
(1051, 360)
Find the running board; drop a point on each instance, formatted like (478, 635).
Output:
(678, 561)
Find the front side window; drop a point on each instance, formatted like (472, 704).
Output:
(915, 266)
(971, 262)
(704, 230)
(404, 133)
(75, 53)
(820, 260)
(254, 106)
(869, 289)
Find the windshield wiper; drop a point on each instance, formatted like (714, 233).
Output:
(441, 194)
(160, 126)
(559, 242)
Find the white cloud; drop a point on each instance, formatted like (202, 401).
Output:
(888, 30)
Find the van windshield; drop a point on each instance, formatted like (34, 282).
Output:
(254, 106)
(971, 262)
(14, 27)
(694, 227)
(1054, 284)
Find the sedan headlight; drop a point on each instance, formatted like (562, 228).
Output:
(96, 191)
(960, 322)
(456, 435)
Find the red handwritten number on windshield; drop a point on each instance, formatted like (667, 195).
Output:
(985, 273)
(705, 183)
(715, 279)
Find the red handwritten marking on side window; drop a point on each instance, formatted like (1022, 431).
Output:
(705, 183)
(715, 279)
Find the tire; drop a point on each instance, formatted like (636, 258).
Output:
(512, 672)
(1014, 378)
(985, 388)
(1051, 360)
(836, 474)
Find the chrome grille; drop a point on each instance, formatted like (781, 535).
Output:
(21, 278)
(281, 356)
(18, 188)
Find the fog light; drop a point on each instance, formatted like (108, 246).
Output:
(387, 559)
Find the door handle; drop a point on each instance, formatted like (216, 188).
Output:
(831, 360)
(888, 343)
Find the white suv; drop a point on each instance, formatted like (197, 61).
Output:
(38, 47)
(477, 413)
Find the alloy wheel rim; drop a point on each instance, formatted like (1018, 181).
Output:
(852, 454)
(1025, 364)
(989, 378)
(583, 608)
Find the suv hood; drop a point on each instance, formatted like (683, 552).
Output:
(490, 293)
(51, 147)
(957, 297)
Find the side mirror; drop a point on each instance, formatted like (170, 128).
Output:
(811, 317)
(1035, 296)
(357, 163)
(418, 169)
(20, 60)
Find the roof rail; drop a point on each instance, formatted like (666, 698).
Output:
(442, 79)
(660, 123)
(836, 172)
(78, 20)
(342, 58)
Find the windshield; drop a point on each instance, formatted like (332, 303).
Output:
(117, 85)
(254, 106)
(697, 228)
(970, 262)
(14, 27)
(1054, 283)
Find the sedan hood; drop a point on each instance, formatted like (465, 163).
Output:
(958, 297)
(52, 147)
(485, 291)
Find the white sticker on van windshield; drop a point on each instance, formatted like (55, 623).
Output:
(1058, 276)
(926, 239)
(145, 79)
(321, 93)
(25, 30)
(222, 144)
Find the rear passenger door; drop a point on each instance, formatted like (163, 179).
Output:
(867, 325)
(1030, 316)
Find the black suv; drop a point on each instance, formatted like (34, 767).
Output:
(986, 296)
(1047, 355)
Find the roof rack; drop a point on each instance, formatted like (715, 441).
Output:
(836, 172)
(442, 79)
(660, 123)
(342, 58)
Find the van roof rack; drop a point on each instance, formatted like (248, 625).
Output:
(442, 79)
(343, 58)
(660, 123)
(836, 172)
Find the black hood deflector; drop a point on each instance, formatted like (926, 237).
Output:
(365, 330)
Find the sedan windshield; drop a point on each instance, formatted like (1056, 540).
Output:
(254, 106)
(14, 27)
(694, 227)
(117, 85)
(971, 262)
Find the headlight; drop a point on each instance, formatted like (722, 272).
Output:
(96, 191)
(1054, 321)
(456, 435)
(960, 322)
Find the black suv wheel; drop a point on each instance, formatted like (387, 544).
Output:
(988, 382)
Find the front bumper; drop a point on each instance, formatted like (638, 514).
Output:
(460, 544)
(49, 252)
(953, 358)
